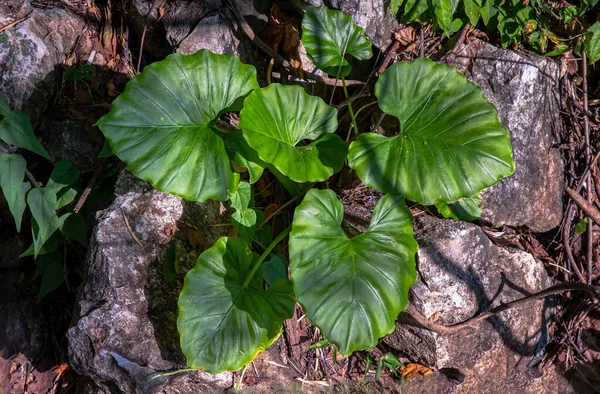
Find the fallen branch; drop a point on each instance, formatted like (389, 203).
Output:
(90, 185)
(247, 30)
(453, 328)
(587, 208)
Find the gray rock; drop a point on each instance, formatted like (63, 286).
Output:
(461, 274)
(67, 139)
(124, 327)
(525, 89)
(31, 52)
(190, 25)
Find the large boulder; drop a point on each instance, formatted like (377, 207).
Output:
(525, 89)
(187, 26)
(125, 323)
(31, 51)
(461, 274)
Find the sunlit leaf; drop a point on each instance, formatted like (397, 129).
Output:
(163, 124)
(352, 288)
(224, 324)
(450, 143)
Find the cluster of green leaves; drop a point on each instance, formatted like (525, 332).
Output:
(78, 73)
(517, 21)
(43, 201)
(165, 126)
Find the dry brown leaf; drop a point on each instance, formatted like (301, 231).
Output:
(270, 209)
(283, 34)
(405, 36)
(413, 369)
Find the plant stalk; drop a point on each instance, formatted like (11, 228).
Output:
(266, 253)
(350, 109)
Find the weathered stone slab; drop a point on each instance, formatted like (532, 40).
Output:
(125, 323)
(525, 89)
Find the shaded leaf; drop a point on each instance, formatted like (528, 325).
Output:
(592, 43)
(63, 174)
(11, 182)
(15, 129)
(274, 269)
(54, 276)
(75, 227)
(223, 324)
(352, 288)
(42, 203)
(171, 264)
(328, 35)
(466, 209)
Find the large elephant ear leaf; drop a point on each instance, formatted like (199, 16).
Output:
(450, 144)
(162, 126)
(224, 323)
(352, 288)
(328, 35)
(277, 120)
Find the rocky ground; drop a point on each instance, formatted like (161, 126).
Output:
(112, 325)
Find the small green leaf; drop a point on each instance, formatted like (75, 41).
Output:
(42, 263)
(42, 203)
(75, 227)
(352, 288)
(240, 200)
(50, 246)
(106, 151)
(473, 11)
(54, 276)
(328, 35)
(163, 124)
(65, 197)
(11, 182)
(63, 174)
(394, 6)
(245, 223)
(413, 9)
(277, 120)
(171, 264)
(581, 226)
(592, 43)
(15, 129)
(274, 269)
(224, 325)
(450, 144)
(244, 155)
(560, 49)
(466, 209)
(444, 12)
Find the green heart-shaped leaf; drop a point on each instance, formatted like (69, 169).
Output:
(12, 185)
(352, 288)
(328, 35)
(277, 119)
(16, 129)
(162, 126)
(450, 143)
(223, 324)
(42, 203)
(464, 209)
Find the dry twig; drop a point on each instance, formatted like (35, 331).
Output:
(453, 328)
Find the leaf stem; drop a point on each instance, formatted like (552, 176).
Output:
(356, 115)
(266, 253)
(350, 109)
